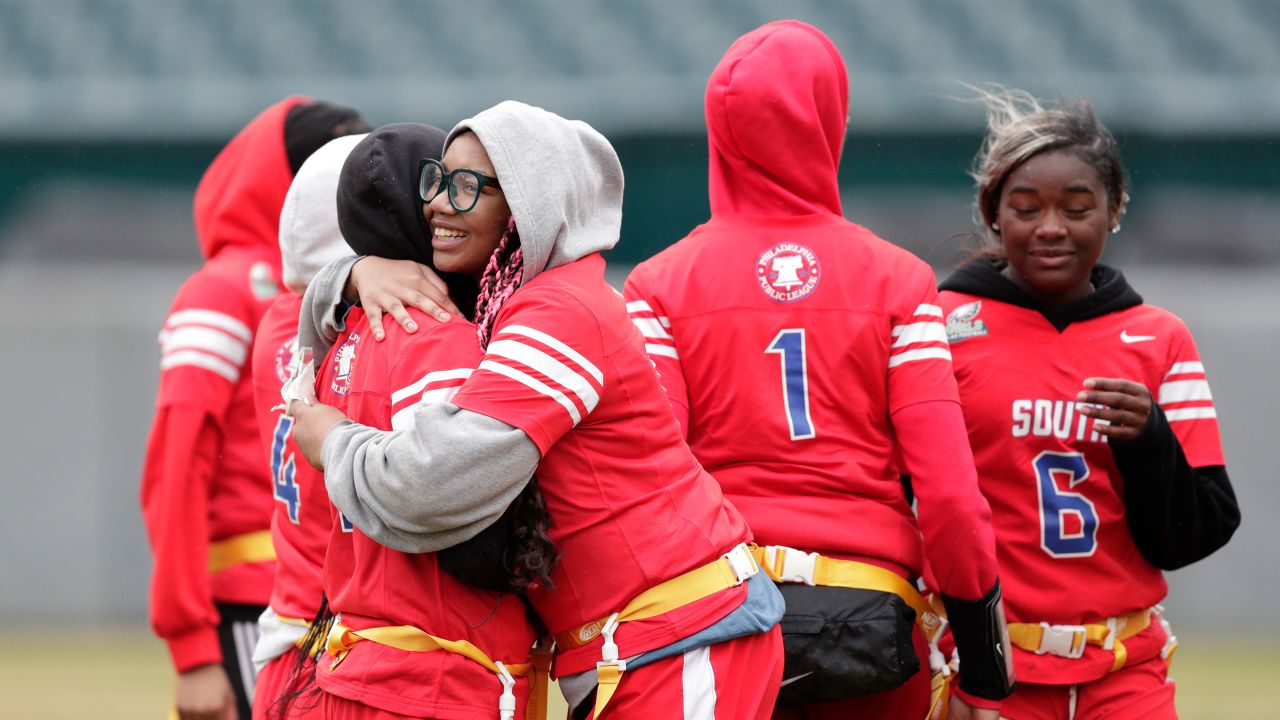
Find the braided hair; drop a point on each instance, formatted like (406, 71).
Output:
(501, 278)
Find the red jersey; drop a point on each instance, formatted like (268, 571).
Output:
(302, 517)
(203, 478)
(1057, 498)
(791, 347)
(631, 506)
(369, 585)
(789, 337)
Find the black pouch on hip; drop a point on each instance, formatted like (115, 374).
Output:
(844, 643)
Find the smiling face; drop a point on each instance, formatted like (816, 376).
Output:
(463, 242)
(1054, 216)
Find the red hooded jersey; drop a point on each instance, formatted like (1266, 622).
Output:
(788, 338)
(369, 585)
(631, 506)
(203, 477)
(1057, 498)
(302, 517)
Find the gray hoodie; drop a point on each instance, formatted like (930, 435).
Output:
(455, 472)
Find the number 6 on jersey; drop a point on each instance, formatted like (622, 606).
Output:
(789, 344)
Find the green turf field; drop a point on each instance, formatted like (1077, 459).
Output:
(121, 674)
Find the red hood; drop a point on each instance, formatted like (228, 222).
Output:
(240, 196)
(783, 80)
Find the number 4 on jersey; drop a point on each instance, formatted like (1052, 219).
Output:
(1059, 507)
(789, 344)
(283, 473)
(283, 469)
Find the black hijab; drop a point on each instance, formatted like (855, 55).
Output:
(379, 212)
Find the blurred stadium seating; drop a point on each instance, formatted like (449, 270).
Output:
(195, 68)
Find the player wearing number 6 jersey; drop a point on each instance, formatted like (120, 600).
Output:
(803, 355)
(1091, 419)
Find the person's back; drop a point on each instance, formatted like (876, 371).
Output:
(790, 375)
(808, 363)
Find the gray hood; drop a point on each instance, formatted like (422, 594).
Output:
(561, 178)
(309, 235)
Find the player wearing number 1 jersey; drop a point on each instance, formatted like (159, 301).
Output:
(1091, 418)
(803, 354)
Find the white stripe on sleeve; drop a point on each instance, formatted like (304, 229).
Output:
(539, 360)
(663, 350)
(557, 345)
(1184, 391)
(202, 360)
(195, 337)
(651, 328)
(921, 354)
(212, 318)
(431, 377)
(927, 309)
(919, 332)
(1191, 413)
(638, 306)
(535, 385)
(403, 418)
(1185, 368)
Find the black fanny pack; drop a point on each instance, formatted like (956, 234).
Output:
(844, 643)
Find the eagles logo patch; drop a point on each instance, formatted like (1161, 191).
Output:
(262, 282)
(787, 272)
(963, 322)
(343, 360)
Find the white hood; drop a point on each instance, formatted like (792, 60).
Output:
(561, 178)
(309, 236)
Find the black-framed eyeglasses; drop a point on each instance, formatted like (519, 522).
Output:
(464, 184)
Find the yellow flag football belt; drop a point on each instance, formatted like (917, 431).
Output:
(411, 639)
(1069, 641)
(252, 547)
(727, 571)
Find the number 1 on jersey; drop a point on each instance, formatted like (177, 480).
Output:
(789, 344)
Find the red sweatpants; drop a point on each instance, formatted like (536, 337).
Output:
(1139, 692)
(908, 702)
(734, 680)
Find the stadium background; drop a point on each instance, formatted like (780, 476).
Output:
(111, 109)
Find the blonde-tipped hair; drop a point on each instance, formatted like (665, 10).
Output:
(1019, 127)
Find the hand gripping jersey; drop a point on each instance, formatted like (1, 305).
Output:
(1057, 498)
(203, 479)
(631, 508)
(369, 585)
(302, 514)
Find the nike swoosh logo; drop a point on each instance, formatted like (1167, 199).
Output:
(788, 681)
(1127, 338)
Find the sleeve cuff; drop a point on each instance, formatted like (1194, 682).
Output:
(195, 648)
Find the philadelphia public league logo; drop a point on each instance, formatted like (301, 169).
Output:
(787, 271)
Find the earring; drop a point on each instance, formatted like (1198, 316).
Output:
(1115, 229)
(995, 226)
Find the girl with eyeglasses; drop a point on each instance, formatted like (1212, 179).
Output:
(656, 604)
